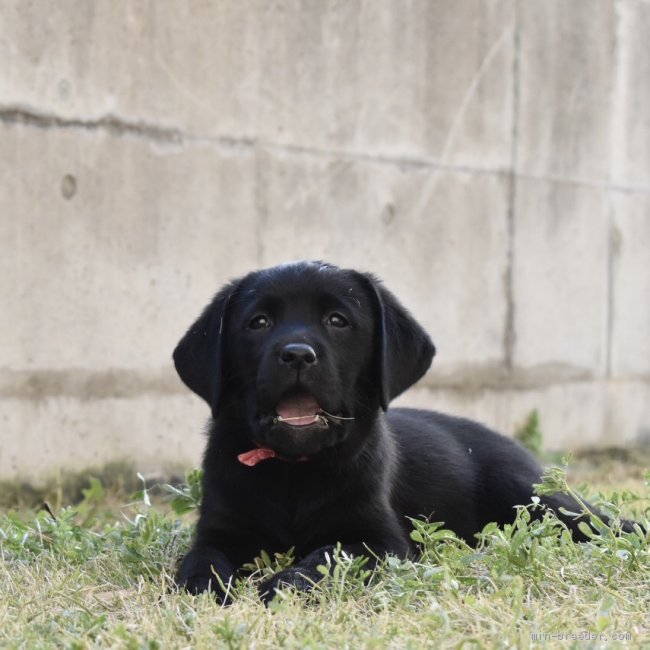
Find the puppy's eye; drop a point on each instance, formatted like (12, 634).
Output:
(259, 322)
(336, 320)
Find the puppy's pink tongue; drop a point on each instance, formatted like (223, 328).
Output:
(298, 410)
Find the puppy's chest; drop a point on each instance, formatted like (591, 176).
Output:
(285, 506)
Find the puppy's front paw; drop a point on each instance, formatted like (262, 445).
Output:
(199, 583)
(293, 577)
(206, 569)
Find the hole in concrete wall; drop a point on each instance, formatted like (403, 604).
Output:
(68, 186)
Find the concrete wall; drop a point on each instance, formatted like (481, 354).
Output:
(490, 159)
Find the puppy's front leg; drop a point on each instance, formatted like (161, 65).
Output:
(305, 573)
(206, 568)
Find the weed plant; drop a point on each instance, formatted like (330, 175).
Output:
(83, 578)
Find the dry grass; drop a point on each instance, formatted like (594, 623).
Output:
(94, 578)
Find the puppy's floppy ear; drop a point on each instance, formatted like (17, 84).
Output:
(405, 350)
(198, 357)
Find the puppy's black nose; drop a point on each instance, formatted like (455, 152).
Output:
(297, 354)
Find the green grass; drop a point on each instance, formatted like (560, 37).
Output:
(100, 576)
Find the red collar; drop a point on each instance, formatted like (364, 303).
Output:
(254, 456)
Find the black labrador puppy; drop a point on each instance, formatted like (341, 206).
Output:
(299, 363)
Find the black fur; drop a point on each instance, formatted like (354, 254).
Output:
(363, 477)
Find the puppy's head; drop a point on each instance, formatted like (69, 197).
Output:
(302, 354)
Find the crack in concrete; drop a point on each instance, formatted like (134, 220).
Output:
(509, 331)
(174, 136)
(120, 127)
(585, 183)
(431, 187)
(114, 125)
(108, 123)
(613, 255)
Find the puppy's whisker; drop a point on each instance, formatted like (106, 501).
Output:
(335, 417)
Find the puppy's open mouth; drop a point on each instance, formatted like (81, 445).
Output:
(299, 410)
(301, 413)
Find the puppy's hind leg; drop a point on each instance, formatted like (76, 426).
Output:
(574, 514)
